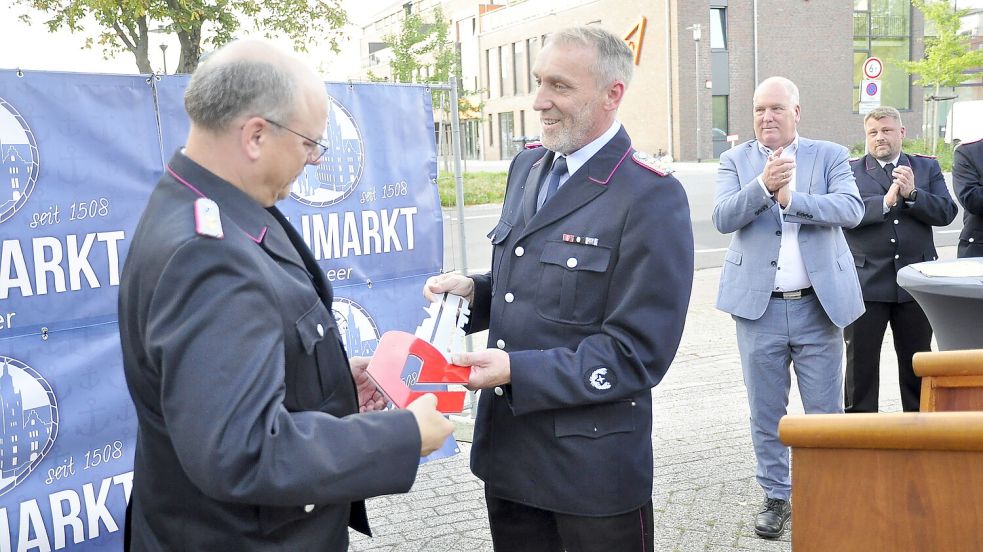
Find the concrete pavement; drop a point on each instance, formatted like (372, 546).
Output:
(704, 495)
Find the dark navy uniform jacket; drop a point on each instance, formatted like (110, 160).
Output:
(242, 388)
(884, 244)
(588, 296)
(967, 182)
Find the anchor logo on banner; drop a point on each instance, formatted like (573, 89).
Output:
(18, 161)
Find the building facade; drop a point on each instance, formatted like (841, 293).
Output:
(697, 64)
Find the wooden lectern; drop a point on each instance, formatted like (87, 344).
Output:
(892, 482)
(951, 380)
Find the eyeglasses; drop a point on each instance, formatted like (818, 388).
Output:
(315, 148)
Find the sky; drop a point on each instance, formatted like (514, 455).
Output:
(32, 47)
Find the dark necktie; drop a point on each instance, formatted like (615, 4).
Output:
(888, 169)
(553, 180)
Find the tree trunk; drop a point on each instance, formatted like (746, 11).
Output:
(935, 120)
(190, 49)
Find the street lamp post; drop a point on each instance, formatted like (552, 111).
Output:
(163, 55)
(697, 34)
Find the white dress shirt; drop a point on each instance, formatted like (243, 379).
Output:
(791, 274)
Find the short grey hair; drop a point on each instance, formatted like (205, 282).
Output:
(791, 90)
(221, 91)
(879, 113)
(614, 58)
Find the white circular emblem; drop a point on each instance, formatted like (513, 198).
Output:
(358, 331)
(340, 169)
(599, 379)
(18, 161)
(30, 419)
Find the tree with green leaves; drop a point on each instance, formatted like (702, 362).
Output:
(947, 54)
(125, 25)
(421, 44)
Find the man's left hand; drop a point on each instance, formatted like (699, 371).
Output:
(369, 397)
(783, 196)
(905, 179)
(489, 368)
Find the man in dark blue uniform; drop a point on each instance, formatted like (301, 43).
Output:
(248, 436)
(967, 182)
(904, 197)
(585, 302)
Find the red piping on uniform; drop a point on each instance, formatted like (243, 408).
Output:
(261, 234)
(608, 179)
(641, 521)
(195, 190)
(183, 181)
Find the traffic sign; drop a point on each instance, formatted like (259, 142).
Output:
(873, 67)
(870, 95)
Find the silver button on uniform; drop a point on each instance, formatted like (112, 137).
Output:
(499, 391)
(320, 330)
(895, 221)
(500, 343)
(571, 262)
(509, 297)
(519, 251)
(309, 508)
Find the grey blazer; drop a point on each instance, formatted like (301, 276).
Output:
(825, 201)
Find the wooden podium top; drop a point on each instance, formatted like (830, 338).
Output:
(966, 362)
(954, 431)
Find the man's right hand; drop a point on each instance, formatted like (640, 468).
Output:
(434, 427)
(453, 283)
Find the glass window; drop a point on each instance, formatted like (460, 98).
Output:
(720, 125)
(718, 28)
(519, 67)
(506, 145)
(882, 28)
(533, 49)
(505, 60)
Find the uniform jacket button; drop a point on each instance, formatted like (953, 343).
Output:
(571, 262)
(320, 330)
(520, 251)
(309, 508)
(500, 343)
(509, 297)
(895, 221)
(499, 391)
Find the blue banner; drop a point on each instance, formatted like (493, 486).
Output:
(80, 155)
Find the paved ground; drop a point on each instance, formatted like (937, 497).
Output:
(704, 494)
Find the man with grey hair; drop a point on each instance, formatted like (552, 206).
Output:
(788, 278)
(584, 304)
(249, 433)
(904, 197)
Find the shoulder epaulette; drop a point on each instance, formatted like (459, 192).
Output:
(970, 142)
(855, 159)
(925, 156)
(534, 145)
(651, 163)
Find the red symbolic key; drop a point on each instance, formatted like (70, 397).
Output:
(389, 359)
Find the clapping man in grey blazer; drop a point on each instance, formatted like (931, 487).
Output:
(788, 278)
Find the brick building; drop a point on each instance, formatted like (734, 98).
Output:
(687, 95)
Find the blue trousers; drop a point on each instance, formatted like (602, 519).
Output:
(796, 332)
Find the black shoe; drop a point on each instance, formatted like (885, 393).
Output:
(771, 521)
